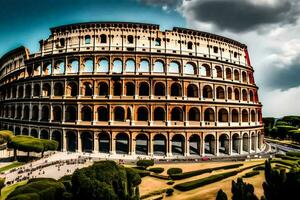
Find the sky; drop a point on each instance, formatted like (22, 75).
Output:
(270, 29)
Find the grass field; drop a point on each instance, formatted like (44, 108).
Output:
(8, 189)
(11, 166)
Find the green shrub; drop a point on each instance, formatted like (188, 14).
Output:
(29, 196)
(142, 173)
(284, 162)
(156, 170)
(221, 195)
(204, 181)
(173, 171)
(5, 136)
(258, 168)
(293, 154)
(160, 176)
(250, 174)
(145, 163)
(170, 182)
(2, 184)
(169, 192)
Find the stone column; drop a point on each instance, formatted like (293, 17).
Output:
(169, 143)
(64, 136)
(113, 143)
(216, 150)
(150, 145)
(187, 146)
(79, 144)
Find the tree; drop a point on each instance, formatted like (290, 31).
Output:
(5, 136)
(242, 191)
(221, 195)
(145, 163)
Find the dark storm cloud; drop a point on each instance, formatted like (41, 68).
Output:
(242, 15)
(286, 77)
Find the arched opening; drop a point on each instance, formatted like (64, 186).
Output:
(236, 94)
(245, 117)
(34, 133)
(71, 141)
(86, 114)
(209, 115)
(130, 89)
(103, 65)
(205, 70)
(157, 42)
(144, 66)
(58, 89)
(192, 90)
(71, 114)
(223, 115)
(235, 115)
(44, 135)
(194, 114)
(72, 89)
(177, 114)
(26, 113)
(19, 112)
(35, 113)
(190, 45)
(87, 39)
(143, 89)
(260, 140)
(46, 90)
(102, 114)
(45, 114)
(88, 89)
(117, 89)
(88, 65)
(28, 91)
(253, 141)
(224, 144)
(119, 114)
(130, 39)
(207, 92)
(253, 116)
(47, 69)
(159, 114)
(219, 72)
(159, 89)
(251, 96)
(176, 90)
(174, 67)
(178, 142)
(130, 66)
(117, 66)
(159, 145)
(36, 90)
(87, 141)
(209, 144)
(236, 75)
(103, 39)
(228, 74)
(20, 91)
(220, 93)
(17, 131)
(245, 142)
(244, 77)
(158, 67)
(194, 144)
(57, 136)
(59, 67)
(229, 93)
(122, 143)
(25, 131)
(103, 89)
(236, 143)
(141, 147)
(74, 67)
(142, 113)
(104, 142)
(189, 68)
(245, 95)
(57, 114)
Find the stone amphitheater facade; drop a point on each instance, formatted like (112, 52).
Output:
(130, 88)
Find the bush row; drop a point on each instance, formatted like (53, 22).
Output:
(251, 174)
(156, 170)
(284, 162)
(145, 163)
(293, 154)
(259, 168)
(174, 171)
(160, 176)
(286, 157)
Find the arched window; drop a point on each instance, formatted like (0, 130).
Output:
(59, 67)
(220, 93)
(117, 89)
(130, 65)
(88, 89)
(158, 66)
(102, 114)
(219, 73)
(236, 75)
(192, 90)
(103, 65)
(47, 69)
(26, 113)
(71, 114)
(245, 117)
(119, 114)
(142, 113)
(245, 95)
(144, 66)
(157, 42)
(176, 90)
(45, 113)
(103, 38)
(177, 114)
(205, 70)
(130, 89)
(117, 66)
(128, 114)
(144, 89)
(19, 112)
(36, 90)
(207, 92)
(223, 115)
(229, 93)
(189, 68)
(252, 116)
(58, 89)
(174, 67)
(159, 114)
(88, 65)
(159, 89)
(130, 39)
(57, 113)
(235, 115)
(72, 89)
(190, 45)
(251, 96)
(228, 74)
(86, 114)
(28, 91)
(20, 91)
(74, 66)
(194, 114)
(209, 115)
(236, 94)
(87, 39)
(103, 89)
(244, 77)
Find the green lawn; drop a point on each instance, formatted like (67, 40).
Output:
(10, 166)
(8, 189)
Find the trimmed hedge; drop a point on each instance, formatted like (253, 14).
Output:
(145, 163)
(293, 154)
(173, 171)
(204, 181)
(284, 162)
(156, 170)
(258, 168)
(160, 176)
(251, 174)
(169, 192)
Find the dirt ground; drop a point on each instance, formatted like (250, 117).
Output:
(150, 184)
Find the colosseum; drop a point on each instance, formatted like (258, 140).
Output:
(130, 88)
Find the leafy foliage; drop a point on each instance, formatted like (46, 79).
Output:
(241, 190)
(221, 195)
(5, 136)
(145, 163)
